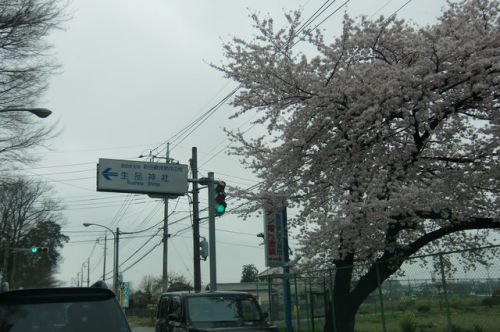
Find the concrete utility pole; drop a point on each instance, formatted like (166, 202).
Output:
(196, 222)
(88, 272)
(116, 287)
(81, 274)
(165, 234)
(116, 237)
(165, 247)
(104, 264)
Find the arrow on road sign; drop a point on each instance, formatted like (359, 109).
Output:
(107, 173)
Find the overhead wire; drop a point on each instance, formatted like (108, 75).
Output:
(180, 136)
(185, 132)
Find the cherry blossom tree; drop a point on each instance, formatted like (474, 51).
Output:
(385, 140)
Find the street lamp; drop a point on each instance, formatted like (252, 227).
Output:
(116, 237)
(40, 112)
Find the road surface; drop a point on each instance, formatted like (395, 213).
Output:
(143, 329)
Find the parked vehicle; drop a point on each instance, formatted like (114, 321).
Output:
(61, 310)
(211, 311)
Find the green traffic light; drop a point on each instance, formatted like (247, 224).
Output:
(34, 250)
(220, 208)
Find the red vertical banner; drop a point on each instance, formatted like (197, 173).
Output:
(274, 235)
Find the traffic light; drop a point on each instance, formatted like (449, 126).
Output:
(204, 249)
(220, 198)
(39, 249)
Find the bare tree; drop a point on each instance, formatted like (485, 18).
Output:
(29, 217)
(25, 67)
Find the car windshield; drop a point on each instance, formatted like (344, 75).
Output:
(223, 308)
(95, 316)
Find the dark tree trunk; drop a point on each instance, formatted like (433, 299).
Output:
(341, 312)
(344, 312)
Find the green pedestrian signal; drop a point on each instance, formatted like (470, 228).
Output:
(220, 198)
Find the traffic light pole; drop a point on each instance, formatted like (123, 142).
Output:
(221, 206)
(211, 232)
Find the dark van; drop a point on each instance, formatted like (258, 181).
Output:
(211, 311)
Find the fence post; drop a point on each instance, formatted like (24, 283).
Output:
(379, 283)
(312, 305)
(445, 292)
(297, 303)
(270, 298)
(306, 294)
(331, 290)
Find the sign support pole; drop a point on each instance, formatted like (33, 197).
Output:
(286, 274)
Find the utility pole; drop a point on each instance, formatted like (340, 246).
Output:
(116, 287)
(88, 271)
(165, 234)
(196, 222)
(81, 275)
(211, 232)
(165, 247)
(104, 264)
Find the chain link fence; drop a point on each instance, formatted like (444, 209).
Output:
(436, 293)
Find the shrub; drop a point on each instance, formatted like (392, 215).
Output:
(408, 322)
(491, 301)
(427, 327)
(476, 328)
(405, 303)
(424, 308)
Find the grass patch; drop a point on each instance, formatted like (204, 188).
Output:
(482, 319)
(140, 321)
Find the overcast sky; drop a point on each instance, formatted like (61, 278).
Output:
(134, 73)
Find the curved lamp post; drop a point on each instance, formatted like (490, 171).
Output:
(40, 112)
(116, 237)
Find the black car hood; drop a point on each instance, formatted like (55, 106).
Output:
(257, 326)
(236, 329)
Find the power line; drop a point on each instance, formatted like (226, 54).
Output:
(180, 136)
(142, 257)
